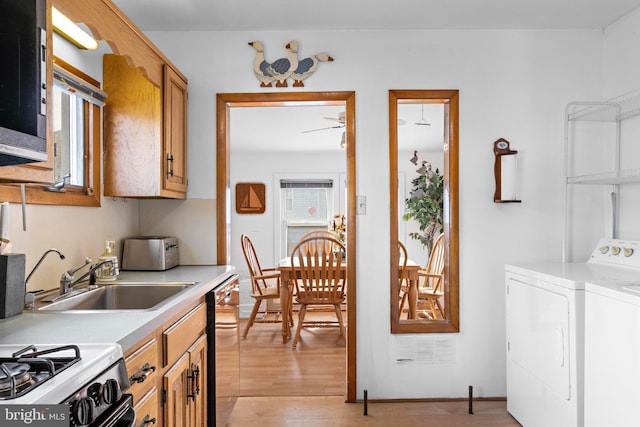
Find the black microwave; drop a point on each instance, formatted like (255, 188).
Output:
(23, 81)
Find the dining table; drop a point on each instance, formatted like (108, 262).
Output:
(288, 274)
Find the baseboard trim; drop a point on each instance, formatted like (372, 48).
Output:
(435, 399)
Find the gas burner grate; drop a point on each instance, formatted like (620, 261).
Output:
(28, 368)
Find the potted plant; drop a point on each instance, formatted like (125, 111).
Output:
(425, 205)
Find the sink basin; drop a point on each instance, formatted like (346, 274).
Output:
(121, 296)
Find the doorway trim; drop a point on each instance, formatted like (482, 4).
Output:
(224, 102)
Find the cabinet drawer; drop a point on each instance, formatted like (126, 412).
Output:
(147, 409)
(179, 336)
(142, 365)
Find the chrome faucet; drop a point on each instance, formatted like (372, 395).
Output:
(67, 281)
(29, 297)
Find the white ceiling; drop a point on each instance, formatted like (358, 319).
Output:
(283, 15)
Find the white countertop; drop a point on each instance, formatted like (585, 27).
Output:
(122, 327)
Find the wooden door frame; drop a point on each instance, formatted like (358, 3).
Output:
(224, 101)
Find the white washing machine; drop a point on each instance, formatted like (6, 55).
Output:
(545, 309)
(612, 345)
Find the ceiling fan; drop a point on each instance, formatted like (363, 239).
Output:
(341, 119)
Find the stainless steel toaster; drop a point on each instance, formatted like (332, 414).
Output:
(155, 253)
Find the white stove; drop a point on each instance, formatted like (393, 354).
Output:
(93, 360)
(545, 306)
(91, 379)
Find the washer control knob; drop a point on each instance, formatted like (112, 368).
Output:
(615, 250)
(627, 252)
(604, 249)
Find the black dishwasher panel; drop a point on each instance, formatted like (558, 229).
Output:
(223, 383)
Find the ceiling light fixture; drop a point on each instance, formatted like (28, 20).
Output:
(343, 141)
(71, 31)
(422, 121)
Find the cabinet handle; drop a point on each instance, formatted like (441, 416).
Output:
(197, 380)
(147, 420)
(142, 374)
(194, 376)
(169, 165)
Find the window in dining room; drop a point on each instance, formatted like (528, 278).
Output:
(305, 205)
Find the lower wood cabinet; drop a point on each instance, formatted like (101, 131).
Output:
(142, 367)
(186, 395)
(168, 373)
(147, 409)
(174, 384)
(197, 396)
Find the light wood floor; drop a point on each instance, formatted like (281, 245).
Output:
(282, 386)
(331, 411)
(317, 367)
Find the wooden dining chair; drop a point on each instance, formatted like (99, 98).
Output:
(317, 233)
(403, 286)
(265, 285)
(430, 291)
(320, 280)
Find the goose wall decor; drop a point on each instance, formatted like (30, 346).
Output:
(307, 66)
(282, 69)
(260, 65)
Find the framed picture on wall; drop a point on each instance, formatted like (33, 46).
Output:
(250, 198)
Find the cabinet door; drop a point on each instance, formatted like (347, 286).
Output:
(175, 131)
(132, 131)
(175, 387)
(197, 388)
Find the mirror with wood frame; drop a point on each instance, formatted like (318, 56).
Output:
(423, 171)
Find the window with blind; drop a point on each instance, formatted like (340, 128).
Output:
(72, 98)
(305, 205)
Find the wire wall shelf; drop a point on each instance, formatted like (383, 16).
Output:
(628, 176)
(614, 110)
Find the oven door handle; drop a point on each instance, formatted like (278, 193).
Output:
(123, 415)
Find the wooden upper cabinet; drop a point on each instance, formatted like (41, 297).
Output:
(145, 114)
(145, 132)
(175, 131)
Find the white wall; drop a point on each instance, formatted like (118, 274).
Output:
(622, 75)
(621, 61)
(76, 232)
(513, 84)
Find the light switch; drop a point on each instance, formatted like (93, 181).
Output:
(361, 205)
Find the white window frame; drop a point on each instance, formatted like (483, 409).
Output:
(279, 225)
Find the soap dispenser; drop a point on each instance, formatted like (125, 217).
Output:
(109, 270)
